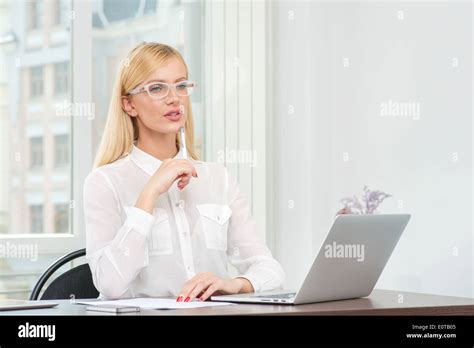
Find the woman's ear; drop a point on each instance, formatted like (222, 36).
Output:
(128, 107)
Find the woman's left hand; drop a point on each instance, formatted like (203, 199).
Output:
(203, 285)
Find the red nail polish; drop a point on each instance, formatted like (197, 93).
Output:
(179, 299)
(187, 299)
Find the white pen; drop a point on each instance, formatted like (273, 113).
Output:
(183, 143)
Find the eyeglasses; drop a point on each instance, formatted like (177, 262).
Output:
(159, 90)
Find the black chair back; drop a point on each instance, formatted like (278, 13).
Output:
(75, 283)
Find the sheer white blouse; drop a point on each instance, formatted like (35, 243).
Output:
(132, 253)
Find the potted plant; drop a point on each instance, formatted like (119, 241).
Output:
(368, 204)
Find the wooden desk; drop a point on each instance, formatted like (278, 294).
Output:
(380, 302)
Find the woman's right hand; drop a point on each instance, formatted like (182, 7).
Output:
(160, 182)
(169, 171)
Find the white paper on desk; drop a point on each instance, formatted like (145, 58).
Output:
(156, 303)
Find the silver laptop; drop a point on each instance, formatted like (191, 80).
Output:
(8, 305)
(348, 264)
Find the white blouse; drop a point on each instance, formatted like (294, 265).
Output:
(132, 253)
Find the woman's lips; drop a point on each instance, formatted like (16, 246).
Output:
(174, 116)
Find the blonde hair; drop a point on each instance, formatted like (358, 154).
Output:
(121, 130)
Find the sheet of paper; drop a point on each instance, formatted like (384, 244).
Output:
(156, 303)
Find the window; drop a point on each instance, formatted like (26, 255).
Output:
(61, 11)
(61, 150)
(61, 218)
(61, 77)
(36, 152)
(36, 218)
(36, 81)
(57, 12)
(35, 14)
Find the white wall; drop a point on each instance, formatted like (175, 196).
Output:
(334, 64)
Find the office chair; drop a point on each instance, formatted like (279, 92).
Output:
(76, 282)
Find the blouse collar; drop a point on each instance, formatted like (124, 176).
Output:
(147, 162)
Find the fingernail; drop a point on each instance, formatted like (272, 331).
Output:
(179, 299)
(187, 299)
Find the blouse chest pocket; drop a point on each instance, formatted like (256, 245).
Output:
(215, 222)
(159, 241)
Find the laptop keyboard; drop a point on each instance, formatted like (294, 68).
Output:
(279, 296)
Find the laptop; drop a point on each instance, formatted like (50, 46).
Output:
(8, 305)
(347, 266)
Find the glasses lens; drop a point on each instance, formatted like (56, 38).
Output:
(185, 88)
(158, 90)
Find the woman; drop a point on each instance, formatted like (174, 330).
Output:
(158, 224)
